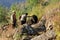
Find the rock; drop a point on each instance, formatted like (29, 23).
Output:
(29, 30)
(50, 33)
(46, 36)
(41, 28)
(40, 37)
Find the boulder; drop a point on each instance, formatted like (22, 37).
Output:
(29, 30)
(46, 36)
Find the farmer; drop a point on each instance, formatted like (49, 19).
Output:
(34, 19)
(13, 18)
(23, 18)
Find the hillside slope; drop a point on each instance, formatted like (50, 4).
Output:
(49, 10)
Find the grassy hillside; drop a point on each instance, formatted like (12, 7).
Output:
(37, 7)
(43, 7)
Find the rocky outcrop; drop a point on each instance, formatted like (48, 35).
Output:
(46, 36)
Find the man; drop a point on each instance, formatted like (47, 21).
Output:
(34, 19)
(23, 18)
(13, 18)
